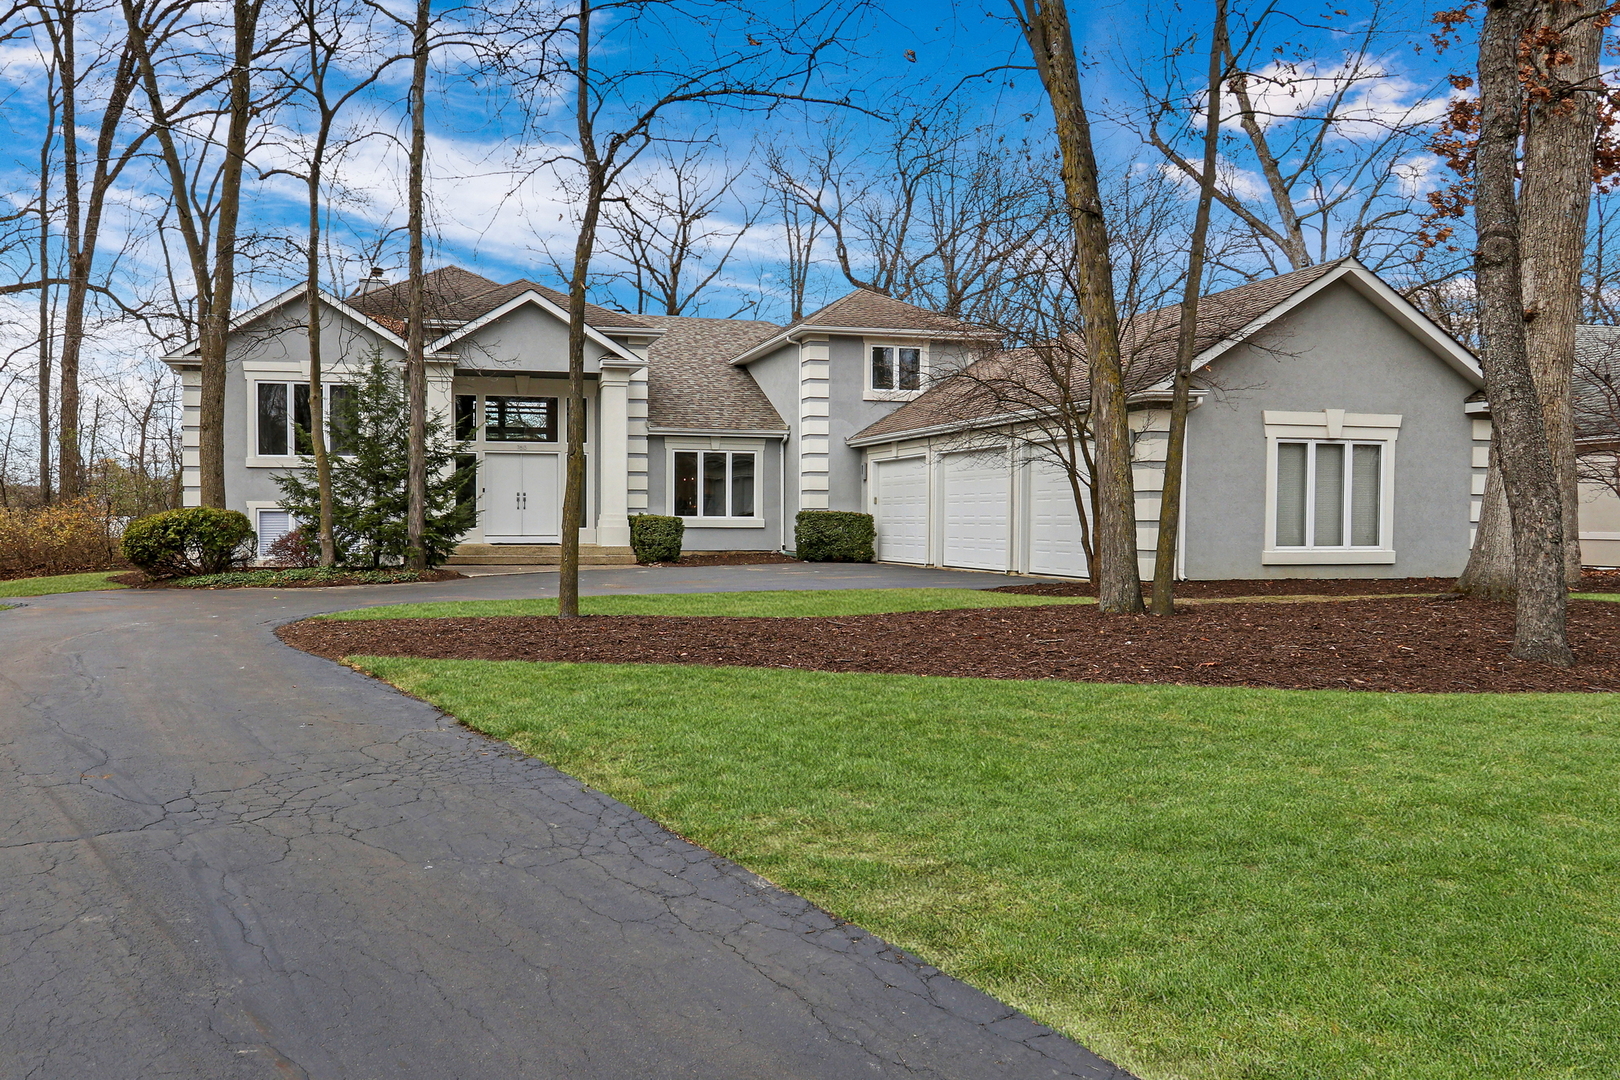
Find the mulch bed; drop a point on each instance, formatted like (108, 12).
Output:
(1593, 581)
(728, 558)
(1407, 644)
(138, 580)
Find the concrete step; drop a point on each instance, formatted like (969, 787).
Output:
(537, 555)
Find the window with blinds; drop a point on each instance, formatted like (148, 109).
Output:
(1328, 494)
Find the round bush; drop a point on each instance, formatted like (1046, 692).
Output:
(834, 536)
(656, 537)
(195, 540)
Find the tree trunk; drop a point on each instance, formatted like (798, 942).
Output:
(573, 517)
(415, 331)
(1559, 140)
(1164, 563)
(1489, 574)
(317, 399)
(47, 325)
(1528, 475)
(69, 461)
(1045, 24)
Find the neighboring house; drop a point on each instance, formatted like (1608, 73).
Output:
(1331, 437)
(1596, 394)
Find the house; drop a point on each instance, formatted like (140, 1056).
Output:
(1596, 397)
(1332, 434)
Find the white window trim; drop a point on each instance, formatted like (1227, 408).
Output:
(868, 393)
(739, 446)
(256, 460)
(1332, 425)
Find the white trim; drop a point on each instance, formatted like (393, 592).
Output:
(755, 447)
(924, 363)
(1348, 429)
(718, 433)
(1326, 557)
(529, 296)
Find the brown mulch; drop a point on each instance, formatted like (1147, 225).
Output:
(1592, 581)
(1422, 645)
(138, 580)
(728, 558)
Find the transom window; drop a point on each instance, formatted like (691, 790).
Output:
(520, 419)
(284, 419)
(714, 483)
(1328, 494)
(896, 367)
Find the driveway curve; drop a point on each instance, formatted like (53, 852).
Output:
(223, 858)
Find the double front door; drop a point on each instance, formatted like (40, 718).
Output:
(522, 498)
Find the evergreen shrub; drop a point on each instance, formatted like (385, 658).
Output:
(194, 540)
(656, 537)
(834, 536)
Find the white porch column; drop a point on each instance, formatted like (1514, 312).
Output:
(613, 450)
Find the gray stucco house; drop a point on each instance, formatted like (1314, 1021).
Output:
(1333, 433)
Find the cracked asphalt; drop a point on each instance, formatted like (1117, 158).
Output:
(223, 858)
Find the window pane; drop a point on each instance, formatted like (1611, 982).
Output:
(1365, 477)
(466, 476)
(273, 419)
(520, 419)
(341, 420)
(1291, 494)
(302, 422)
(466, 416)
(686, 484)
(714, 485)
(742, 485)
(882, 368)
(1329, 495)
(910, 369)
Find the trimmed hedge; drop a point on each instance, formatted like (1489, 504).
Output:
(657, 537)
(834, 536)
(195, 540)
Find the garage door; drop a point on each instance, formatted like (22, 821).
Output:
(900, 509)
(973, 492)
(1054, 526)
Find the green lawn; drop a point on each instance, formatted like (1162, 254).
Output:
(1196, 882)
(1594, 596)
(60, 583)
(785, 602)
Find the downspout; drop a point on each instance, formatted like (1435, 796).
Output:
(781, 496)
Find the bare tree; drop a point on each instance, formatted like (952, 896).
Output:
(1528, 473)
(666, 230)
(1164, 567)
(1045, 25)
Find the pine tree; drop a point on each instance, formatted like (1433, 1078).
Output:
(370, 465)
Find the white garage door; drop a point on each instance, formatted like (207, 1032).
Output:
(900, 509)
(973, 492)
(1054, 526)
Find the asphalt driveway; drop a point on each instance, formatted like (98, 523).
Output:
(223, 858)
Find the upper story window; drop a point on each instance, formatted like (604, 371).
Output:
(283, 419)
(520, 419)
(714, 483)
(1329, 494)
(895, 367)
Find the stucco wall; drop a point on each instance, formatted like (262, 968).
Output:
(850, 413)
(1337, 351)
(527, 339)
(769, 507)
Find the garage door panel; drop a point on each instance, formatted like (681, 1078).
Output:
(900, 509)
(1054, 523)
(974, 494)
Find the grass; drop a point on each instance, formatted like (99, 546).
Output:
(785, 602)
(60, 583)
(1196, 882)
(1594, 596)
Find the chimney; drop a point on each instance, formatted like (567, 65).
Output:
(375, 281)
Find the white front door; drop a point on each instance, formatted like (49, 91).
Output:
(1054, 525)
(974, 494)
(900, 509)
(522, 498)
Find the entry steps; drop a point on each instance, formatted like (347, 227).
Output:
(537, 555)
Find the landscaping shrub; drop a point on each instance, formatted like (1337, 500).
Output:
(196, 540)
(656, 537)
(834, 536)
(57, 539)
(295, 549)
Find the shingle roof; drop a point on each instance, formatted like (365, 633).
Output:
(1004, 382)
(691, 385)
(1595, 389)
(456, 296)
(866, 309)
